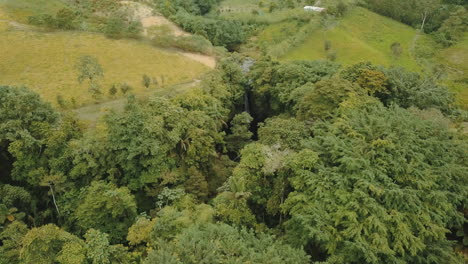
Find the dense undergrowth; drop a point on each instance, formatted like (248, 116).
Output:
(319, 159)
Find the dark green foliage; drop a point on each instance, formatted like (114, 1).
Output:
(14, 195)
(220, 243)
(22, 110)
(412, 12)
(125, 88)
(240, 132)
(453, 27)
(411, 89)
(100, 205)
(378, 186)
(99, 251)
(147, 142)
(206, 5)
(24, 124)
(61, 102)
(118, 26)
(42, 20)
(369, 77)
(278, 82)
(401, 87)
(113, 90)
(196, 184)
(194, 7)
(34, 154)
(172, 220)
(286, 132)
(91, 71)
(273, 6)
(50, 244)
(227, 33)
(339, 9)
(65, 19)
(146, 81)
(11, 237)
(322, 99)
(114, 27)
(187, 13)
(192, 43)
(231, 205)
(260, 175)
(233, 77)
(14, 202)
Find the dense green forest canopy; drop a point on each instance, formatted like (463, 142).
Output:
(259, 161)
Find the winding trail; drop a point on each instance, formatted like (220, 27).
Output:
(149, 19)
(413, 43)
(16, 25)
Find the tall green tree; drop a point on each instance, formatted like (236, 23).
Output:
(240, 132)
(99, 205)
(50, 244)
(453, 27)
(221, 243)
(322, 99)
(99, 250)
(90, 70)
(278, 83)
(378, 185)
(24, 123)
(11, 238)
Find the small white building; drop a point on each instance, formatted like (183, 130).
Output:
(314, 8)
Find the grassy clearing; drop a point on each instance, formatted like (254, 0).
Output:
(263, 16)
(250, 10)
(20, 10)
(360, 36)
(456, 60)
(238, 4)
(45, 62)
(94, 112)
(278, 32)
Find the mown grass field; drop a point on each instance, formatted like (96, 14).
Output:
(46, 63)
(360, 36)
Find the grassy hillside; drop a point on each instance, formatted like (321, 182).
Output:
(250, 10)
(361, 35)
(45, 62)
(456, 60)
(19, 10)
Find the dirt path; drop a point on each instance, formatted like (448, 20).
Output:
(92, 113)
(204, 59)
(148, 19)
(414, 41)
(16, 25)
